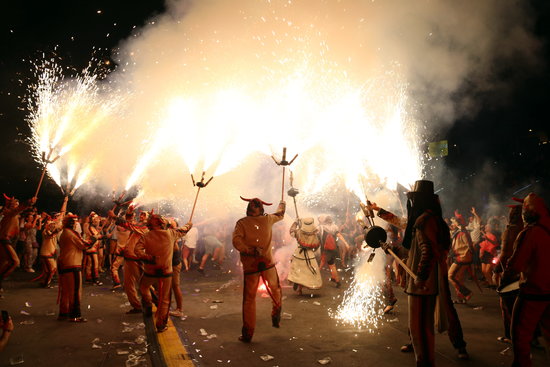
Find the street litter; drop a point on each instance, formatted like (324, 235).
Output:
(266, 357)
(214, 307)
(394, 320)
(317, 303)
(23, 312)
(28, 304)
(99, 321)
(478, 308)
(286, 316)
(506, 352)
(197, 290)
(140, 339)
(211, 336)
(217, 301)
(27, 322)
(122, 352)
(325, 360)
(203, 332)
(16, 360)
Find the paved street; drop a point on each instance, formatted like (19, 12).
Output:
(212, 304)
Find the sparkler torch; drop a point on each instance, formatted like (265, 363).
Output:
(45, 160)
(283, 162)
(293, 192)
(376, 237)
(200, 184)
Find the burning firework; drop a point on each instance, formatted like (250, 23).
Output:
(362, 303)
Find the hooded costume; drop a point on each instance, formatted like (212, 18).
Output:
(304, 269)
(428, 241)
(252, 238)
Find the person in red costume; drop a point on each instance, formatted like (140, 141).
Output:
(252, 238)
(531, 259)
(9, 231)
(49, 244)
(69, 264)
(156, 250)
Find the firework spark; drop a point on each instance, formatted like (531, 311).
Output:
(362, 302)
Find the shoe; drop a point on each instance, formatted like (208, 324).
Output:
(467, 298)
(116, 286)
(160, 329)
(245, 339)
(29, 270)
(463, 354)
(338, 284)
(134, 311)
(459, 301)
(388, 309)
(407, 348)
(504, 339)
(295, 286)
(98, 283)
(78, 319)
(176, 313)
(333, 280)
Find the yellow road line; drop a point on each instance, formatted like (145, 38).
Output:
(173, 350)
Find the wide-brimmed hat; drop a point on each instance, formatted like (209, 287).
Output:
(307, 225)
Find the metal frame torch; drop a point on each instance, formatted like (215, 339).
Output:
(292, 193)
(199, 184)
(283, 162)
(45, 160)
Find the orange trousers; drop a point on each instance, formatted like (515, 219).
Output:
(163, 287)
(49, 268)
(133, 271)
(117, 263)
(9, 260)
(70, 288)
(251, 282)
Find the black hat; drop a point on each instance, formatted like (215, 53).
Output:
(423, 187)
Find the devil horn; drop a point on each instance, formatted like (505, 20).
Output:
(263, 202)
(518, 200)
(7, 197)
(245, 199)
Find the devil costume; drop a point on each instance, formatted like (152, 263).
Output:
(252, 238)
(304, 270)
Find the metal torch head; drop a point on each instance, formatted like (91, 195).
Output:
(375, 236)
(293, 192)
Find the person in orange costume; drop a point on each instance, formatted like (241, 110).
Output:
(531, 258)
(156, 249)
(49, 244)
(133, 267)
(71, 252)
(9, 231)
(252, 238)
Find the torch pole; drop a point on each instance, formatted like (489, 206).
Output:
(41, 179)
(403, 265)
(283, 184)
(194, 204)
(200, 184)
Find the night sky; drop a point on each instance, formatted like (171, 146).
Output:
(504, 146)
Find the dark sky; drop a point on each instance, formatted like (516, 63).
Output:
(502, 146)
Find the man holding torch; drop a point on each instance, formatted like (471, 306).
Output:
(252, 238)
(428, 239)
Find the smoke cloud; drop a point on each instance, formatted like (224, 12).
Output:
(353, 87)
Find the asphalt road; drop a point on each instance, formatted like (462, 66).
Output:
(212, 305)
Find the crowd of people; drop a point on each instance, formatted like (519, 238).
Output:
(144, 253)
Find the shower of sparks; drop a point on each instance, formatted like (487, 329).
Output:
(362, 304)
(63, 113)
(349, 120)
